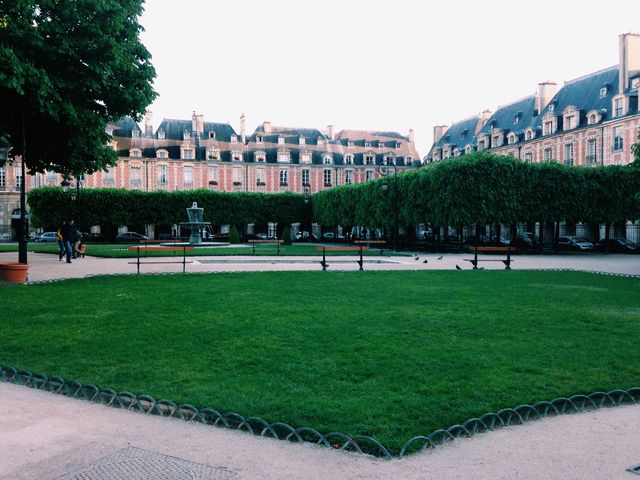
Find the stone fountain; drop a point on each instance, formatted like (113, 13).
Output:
(195, 223)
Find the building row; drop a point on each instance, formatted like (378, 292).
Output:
(195, 154)
(591, 120)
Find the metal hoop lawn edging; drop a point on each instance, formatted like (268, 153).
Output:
(283, 431)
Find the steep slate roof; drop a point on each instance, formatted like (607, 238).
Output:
(174, 129)
(124, 126)
(310, 134)
(584, 94)
(368, 135)
(503, 117)
(454, 134)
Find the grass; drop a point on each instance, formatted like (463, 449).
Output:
(120, 250)
(387, 354)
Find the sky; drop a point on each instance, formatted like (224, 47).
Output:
(370, 64)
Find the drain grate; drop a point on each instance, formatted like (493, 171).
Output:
(635, 469)
(139, 464)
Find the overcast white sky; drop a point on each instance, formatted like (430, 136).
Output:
(370, 64)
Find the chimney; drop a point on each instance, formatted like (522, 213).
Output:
(266, 126)
(243, 128)
(200, 124)
(330, 132)
(546, 91)
(193, 121)
(438, 132)
(411, 137)
(629, 50)
(482, 119)
(148, 122)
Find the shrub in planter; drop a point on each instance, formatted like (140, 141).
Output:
(234, 237)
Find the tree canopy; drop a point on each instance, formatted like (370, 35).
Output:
(67, 68)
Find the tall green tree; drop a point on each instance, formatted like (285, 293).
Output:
(67, 68)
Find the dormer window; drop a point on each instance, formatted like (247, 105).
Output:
(380, 144)
(236, 156)
(302, 140)
(327, 159)
(305, 156)
(529, 134)
(552, 107)
(409, 158)
(186, 153)
(284, 155)
(162, 153)
(280, 140)
(234, 138)
(468, 149)
(511, 138)
(496, 138)
(212, 135)
(348, 159)
(135, 133)
(618, 107)
(516, 119)
(186, 135)
(320, 141)
(549, 124)
(350, 143)
(213, 153)
(260, 157)
(603, 92)
(389, 159)
(367, 144)
(593, 118)
(456, 152)
(135, 153)
(369, 159)
(161, 134)
(397, 145)
(259, 138)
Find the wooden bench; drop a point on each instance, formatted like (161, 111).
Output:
(146, 250)
(368, 243)
(277, 242)
(491, 250)
(340, 249)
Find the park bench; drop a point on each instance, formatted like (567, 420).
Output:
(368, 243)
(146, 250)
(340, 249)
(258, 242)
(491, 250)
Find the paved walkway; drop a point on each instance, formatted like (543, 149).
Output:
(47, 436)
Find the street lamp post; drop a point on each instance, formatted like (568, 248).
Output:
(384, 171)
(306, 190)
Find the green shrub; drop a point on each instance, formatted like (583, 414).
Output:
(234, 237)
(286, 236)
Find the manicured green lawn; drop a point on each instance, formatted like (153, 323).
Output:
(120, 250)
(387, 354)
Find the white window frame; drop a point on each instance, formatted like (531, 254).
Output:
(284, 177)
(327, 177)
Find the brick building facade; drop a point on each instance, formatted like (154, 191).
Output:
(192, 154)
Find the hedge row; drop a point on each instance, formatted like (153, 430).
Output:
(107, 206)
(483, 188)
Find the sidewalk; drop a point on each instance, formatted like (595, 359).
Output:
(47, 436)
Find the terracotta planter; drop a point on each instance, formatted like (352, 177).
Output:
(11, 272)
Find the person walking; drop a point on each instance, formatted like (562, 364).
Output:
(60, 244)
(68, 232)
(77, 240)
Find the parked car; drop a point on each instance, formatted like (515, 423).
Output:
(304, 236)
(330, 237)
(617, 245)
(46, 237)
(580, 244)
(526, 241)
(265, 236)
(130, 237)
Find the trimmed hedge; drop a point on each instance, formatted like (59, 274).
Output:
(108, 206)
(483, 188)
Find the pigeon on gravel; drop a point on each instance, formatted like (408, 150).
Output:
(458, 267)
(425, 261)
(440, 257)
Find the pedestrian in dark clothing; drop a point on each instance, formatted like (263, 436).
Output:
(68, 233)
